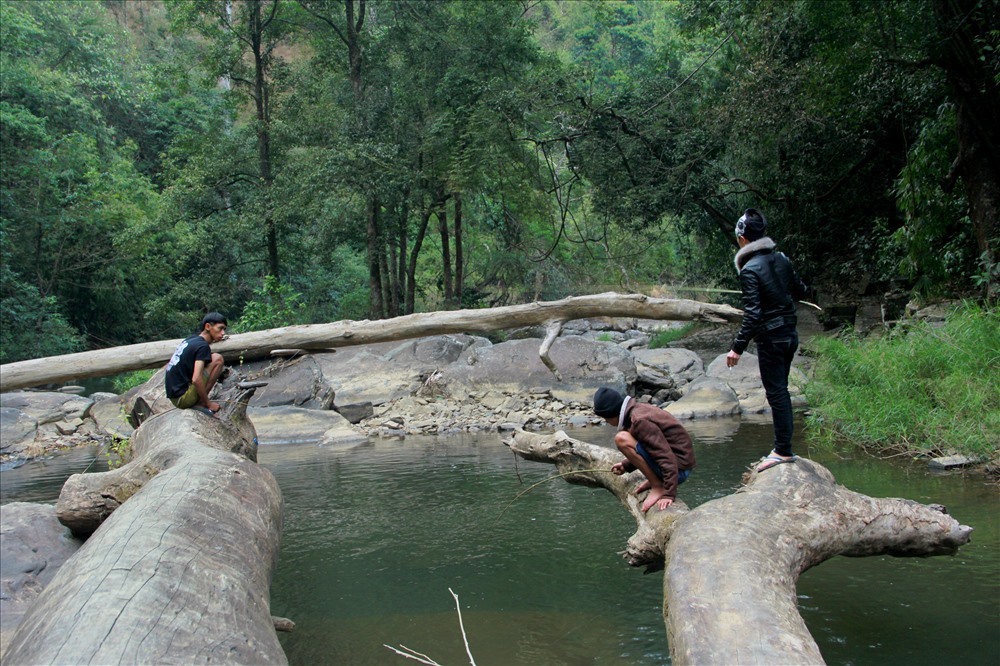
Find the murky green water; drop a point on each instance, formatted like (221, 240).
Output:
(376, 534)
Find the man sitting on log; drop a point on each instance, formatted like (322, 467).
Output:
(193, 370)
(652, 441)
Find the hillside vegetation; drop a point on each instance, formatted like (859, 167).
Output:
(296, 161)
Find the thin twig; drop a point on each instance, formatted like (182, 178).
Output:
(461, 626)
(413, 654)
(546, 479)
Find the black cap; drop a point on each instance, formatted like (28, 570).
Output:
(752, 225)
(608, 402)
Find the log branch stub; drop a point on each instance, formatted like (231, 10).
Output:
(645, 547)
(553, 329)
(731, 564)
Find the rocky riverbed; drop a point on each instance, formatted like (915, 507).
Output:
(438, 384)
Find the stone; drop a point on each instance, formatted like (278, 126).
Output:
(285, 425)
(704, 398)
(745, 375)
(584, 365)
(356, 412)
(47, 406)
(17, 430)
(110, 418)
(68, 427)
(668, 367)
(299, 382)
(952, 462)
(33, 545)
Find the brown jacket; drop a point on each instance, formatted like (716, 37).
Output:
(663, 436)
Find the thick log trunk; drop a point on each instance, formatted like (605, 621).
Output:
(180, 573)
(249, 346)
(731, 564)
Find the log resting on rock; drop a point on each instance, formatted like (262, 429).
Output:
(731, 564)
(259, 344)
(180, 573)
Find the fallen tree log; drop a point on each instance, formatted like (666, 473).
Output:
(180, 573)
(731, 564)
(259, 344)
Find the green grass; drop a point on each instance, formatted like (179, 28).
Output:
(128, 380)
(664, 338)
(929, 390)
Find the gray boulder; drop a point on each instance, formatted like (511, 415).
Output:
(745, 380)
(17, 431)
(33, 545)
(299, 382)
(47, 406)
(668, 367)
(514, 365)
(706, 397)
(286, 425)
(383, 372)
(31, 420)
(110, 418)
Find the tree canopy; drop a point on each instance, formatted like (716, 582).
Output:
(296, 161)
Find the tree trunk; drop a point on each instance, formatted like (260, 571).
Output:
(261, 96)
(442, 216)
(459, 258)
(411, 270)
(179, 573)
(259, 344)
(731, 564)
(375, 307)
(963, 27)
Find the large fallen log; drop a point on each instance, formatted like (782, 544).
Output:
(178, 574)
(731, 564)
(259, 344)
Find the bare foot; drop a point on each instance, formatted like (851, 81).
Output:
(642, 487)
(652, 498)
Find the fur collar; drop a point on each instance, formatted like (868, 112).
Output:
(750, 249)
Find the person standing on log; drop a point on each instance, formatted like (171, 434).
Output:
(194, 369)
(770, 288)
(652, 441)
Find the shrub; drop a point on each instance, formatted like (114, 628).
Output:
(927, 390)
(273, 305)
(129, 380)
(664, 338)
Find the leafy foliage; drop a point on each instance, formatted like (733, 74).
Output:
(33, 326)
(272, 306)
(931, 390)
(158, 158)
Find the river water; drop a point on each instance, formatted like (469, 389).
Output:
(375, 535)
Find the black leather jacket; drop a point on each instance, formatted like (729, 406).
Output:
(770, 289)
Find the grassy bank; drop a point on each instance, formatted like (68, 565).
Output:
(928, 389)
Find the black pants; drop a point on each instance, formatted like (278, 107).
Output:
(775, 350)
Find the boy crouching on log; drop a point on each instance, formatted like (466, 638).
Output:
(652, 441)
(194, 369)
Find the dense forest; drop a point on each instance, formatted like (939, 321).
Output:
(295, 161)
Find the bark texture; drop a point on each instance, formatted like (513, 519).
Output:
(178, 574)
(731, 564)
(250, 346)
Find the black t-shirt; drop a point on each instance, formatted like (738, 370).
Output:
(180, 370)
